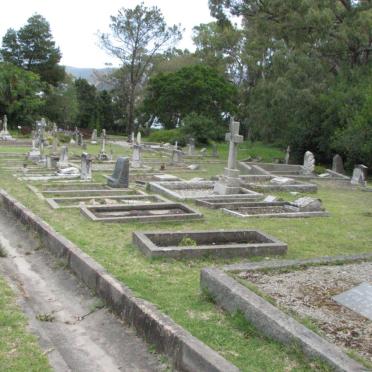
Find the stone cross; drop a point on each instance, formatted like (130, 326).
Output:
(234, 138)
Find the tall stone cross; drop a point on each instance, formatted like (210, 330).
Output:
(234, 138)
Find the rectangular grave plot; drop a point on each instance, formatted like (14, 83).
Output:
(269, 187)
(274, 209)
(90, 193)
(76, 202)
(227, 244)
(228, 201)
(73, 186)
(140, 213)
(184, 190)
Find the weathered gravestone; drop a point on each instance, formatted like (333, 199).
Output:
(86, 167)
(287, 154)
(4, 133)
(54, 139)
(309, 162)
(34, 154)
(177, 156)
(337, 164)
(136, 156)
(214, 150)
(93, 139)
(63, 158)
(139, 138)
(191, 147)
(358, 177)
(120, 177)
(230, 182)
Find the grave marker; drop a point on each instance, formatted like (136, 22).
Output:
(120, 177)
(337, 164)
(86, 167)
(309, 162)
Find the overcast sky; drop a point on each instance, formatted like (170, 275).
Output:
(74, 23)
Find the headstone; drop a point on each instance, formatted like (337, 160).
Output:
(102, 154)
(132, 138)
(308, 204)
(230, 182)
(34, 154)
(214, 150)
(358, 299)
(80, 137)
(136, 156)
(120, 177)
(270, 199)
(4, 133)
(139, 138)
(358, 177)
(55, 139)
(63, 158)
(177, 157)
(176, 145)
(338, 164)
(364, 169)
(86, 167)
(287, 154)
(41, 130)
(191, 147)
(76, 135)
(309, 162)
(93, 139)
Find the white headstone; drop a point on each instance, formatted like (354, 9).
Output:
(358, 177)
(309, 162)
(136, 156)
(138, 138)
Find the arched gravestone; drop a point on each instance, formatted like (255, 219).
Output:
(337, 164)
(120, 177)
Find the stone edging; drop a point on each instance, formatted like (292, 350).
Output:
(186, 352)
(274, 323)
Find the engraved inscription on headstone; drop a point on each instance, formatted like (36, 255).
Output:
(358, 299)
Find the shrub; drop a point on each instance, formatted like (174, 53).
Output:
(167, 135)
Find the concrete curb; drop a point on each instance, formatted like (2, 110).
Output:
(233, 296)
(186, 352)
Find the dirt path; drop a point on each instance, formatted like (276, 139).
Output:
(74, 329)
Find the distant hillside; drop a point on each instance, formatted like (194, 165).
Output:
(92, 75)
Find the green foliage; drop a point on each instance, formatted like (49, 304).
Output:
(18, 94)
(186, 241)
(202, 128)
(166, 136)
(86, 94)
(200, 89)
(32, 48)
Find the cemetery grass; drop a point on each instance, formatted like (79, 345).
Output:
(19, 350)
(173, 285)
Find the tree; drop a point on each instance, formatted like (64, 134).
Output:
(137, 35)
(86, 94)
(61, 104)
(32, 48)
(19, 94)
(199, 89)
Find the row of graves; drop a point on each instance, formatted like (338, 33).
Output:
(133, 192)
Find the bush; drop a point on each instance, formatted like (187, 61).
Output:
(167, 135)
(202, 128)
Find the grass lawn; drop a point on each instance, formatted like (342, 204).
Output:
(173, 285)
(19, 350)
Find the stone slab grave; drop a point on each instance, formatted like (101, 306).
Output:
(269, 183)
(300, 208)
(77, 201)
(218, 243)
(189, 190)
(143, 179)
(141, 213)
(215, 202)
(80, 190)
(358, 299)
(304, 287)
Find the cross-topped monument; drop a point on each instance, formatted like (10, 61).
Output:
(230, 183)
(4, 133)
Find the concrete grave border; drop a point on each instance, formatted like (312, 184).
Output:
(271, 245)
(232, 296)
(222, 201)
(290, 214)
(161, 188)
(190, 214)
(186, 351)
(53, 202)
